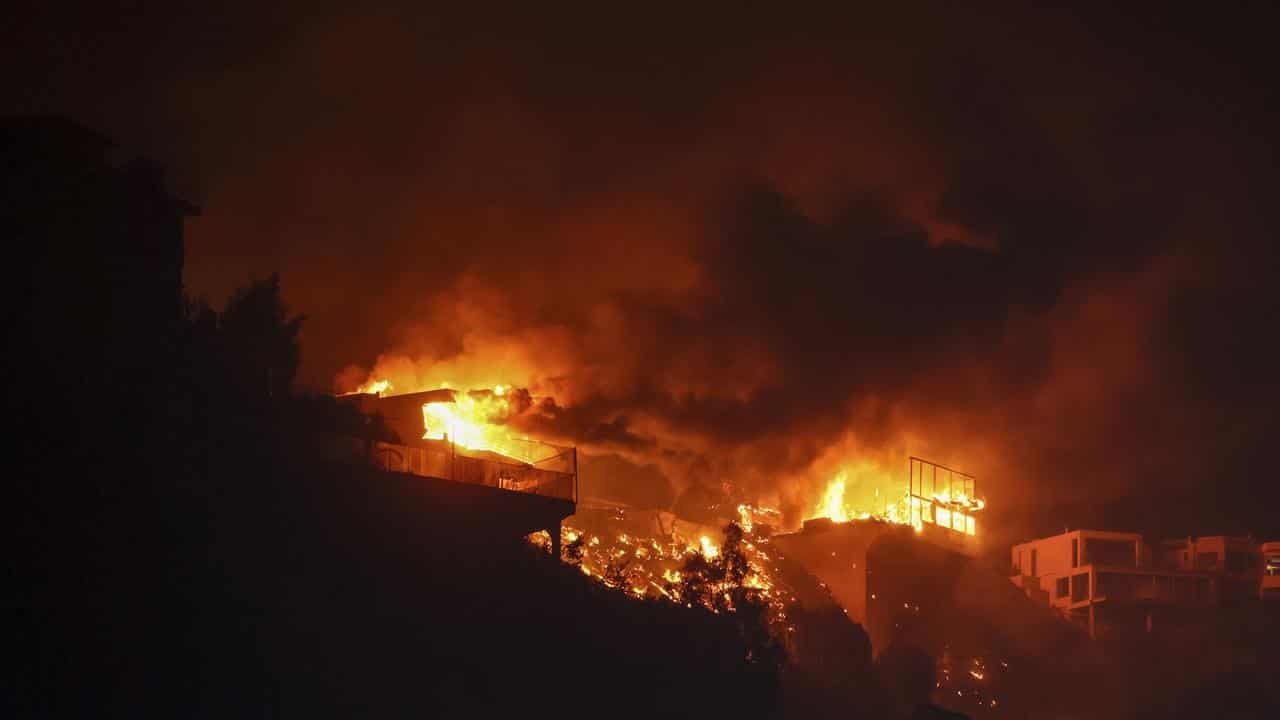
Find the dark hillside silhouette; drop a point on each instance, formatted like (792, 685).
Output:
(183, 551)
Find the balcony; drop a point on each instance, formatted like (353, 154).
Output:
(546, 470)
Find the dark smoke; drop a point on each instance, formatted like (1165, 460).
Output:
(740, 246)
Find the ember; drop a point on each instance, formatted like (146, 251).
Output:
(685, 570)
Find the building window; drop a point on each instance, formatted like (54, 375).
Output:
(1080, 587)
(1075, 552)
(1207, 561)
(1237, 561)
(1099, 551)
(1064, 587)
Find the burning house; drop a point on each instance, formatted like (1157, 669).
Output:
(910, 575)
(939, 508)
(448, 435)
(444, 433)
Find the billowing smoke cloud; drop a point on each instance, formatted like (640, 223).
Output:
(746, 248)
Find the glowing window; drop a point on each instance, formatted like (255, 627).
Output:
(944, 516)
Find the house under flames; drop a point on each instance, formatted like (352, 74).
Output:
(943, 505)
(439, 440)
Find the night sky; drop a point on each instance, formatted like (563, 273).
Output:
(747, 244)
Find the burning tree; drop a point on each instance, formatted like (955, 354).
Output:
(734, 579)
(717, 581)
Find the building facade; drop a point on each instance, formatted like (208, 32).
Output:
(1235, 561)
(1104, 579)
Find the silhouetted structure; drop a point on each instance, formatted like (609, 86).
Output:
(99, 248)
(94, 308)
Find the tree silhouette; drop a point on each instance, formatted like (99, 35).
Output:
(260, 340)
(573, 550)
(718, 584)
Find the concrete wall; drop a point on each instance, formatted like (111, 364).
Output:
(837, 555)
(1054, 554)
(895, 582)
(929, 594)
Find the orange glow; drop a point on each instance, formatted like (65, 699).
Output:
(954, 512)
(960, 500)
(709, 549)
(375, 387)
(652, 566)
(854, 493)
(832, 503)
(472, 421)
(839, 507)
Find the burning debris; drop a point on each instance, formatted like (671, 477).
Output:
(734, 571)
(724, 575)
(972, 682)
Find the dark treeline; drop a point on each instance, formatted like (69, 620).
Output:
(182, 550)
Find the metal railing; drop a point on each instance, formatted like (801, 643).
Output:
(547, 470)
(928, 483)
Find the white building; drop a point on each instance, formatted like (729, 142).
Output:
(1270, 589)
(1235, 561)
(1093, 575)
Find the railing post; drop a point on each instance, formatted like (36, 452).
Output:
(554, 532)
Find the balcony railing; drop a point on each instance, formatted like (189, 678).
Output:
(546, 469)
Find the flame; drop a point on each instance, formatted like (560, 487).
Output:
(375, 387)
(955, 512)
(832, 504)
(836, 506)
(709, 549)
(651, 566)
(474, 421)
(960, 500)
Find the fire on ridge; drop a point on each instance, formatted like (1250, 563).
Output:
(935, 495)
